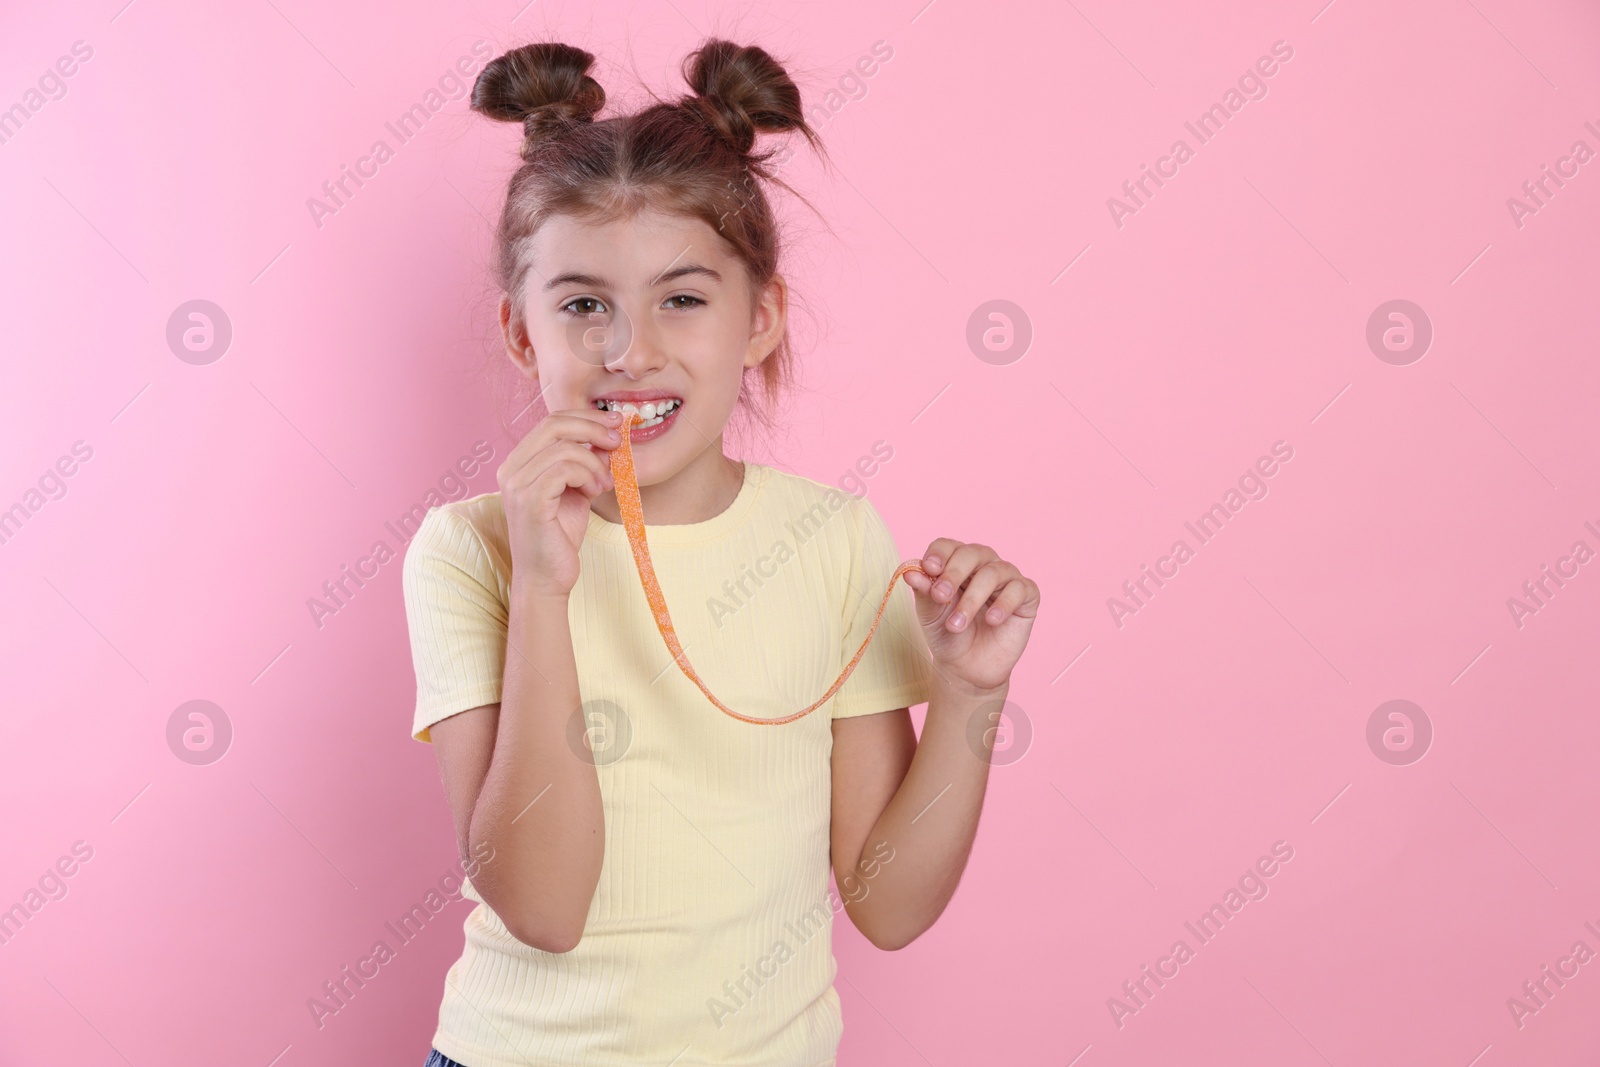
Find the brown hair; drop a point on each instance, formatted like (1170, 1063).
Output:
(692, 157)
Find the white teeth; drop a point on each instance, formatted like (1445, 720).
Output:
(650, 411)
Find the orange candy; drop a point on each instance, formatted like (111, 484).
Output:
(627, 486)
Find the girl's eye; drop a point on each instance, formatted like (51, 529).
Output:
(594, 309)
(694, 301)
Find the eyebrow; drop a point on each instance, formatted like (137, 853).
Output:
(595, 281)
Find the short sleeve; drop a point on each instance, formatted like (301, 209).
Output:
(456, 620)
(895, 671)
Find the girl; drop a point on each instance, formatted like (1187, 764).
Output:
(652, 874)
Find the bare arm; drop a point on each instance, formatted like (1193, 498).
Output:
(905, 813)
(515, 783)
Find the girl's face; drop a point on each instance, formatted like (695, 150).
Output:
(654, 309)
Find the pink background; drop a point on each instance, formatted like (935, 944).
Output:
(1227, 314)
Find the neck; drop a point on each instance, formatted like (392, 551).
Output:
(703, 489)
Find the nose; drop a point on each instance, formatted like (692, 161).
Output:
(641, 354)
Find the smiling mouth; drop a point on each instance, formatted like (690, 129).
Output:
(652, 412)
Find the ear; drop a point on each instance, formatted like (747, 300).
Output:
(767, 320)
(515, 333)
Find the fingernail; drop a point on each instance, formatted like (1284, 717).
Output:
(932, 561)
(612, 435)
(942, 588)
(957, 620)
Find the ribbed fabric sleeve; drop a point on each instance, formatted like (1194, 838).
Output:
(709, 939)
(457, 619)
(896, 671)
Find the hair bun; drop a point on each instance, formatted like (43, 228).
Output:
(544, 86)
(741, 90)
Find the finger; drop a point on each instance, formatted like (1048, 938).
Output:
(592, 426)
(929, 610)
(959, 567)
(576, 424)
(938, 553)
(984, 581)
(605, 417)
(1008, 600)
(920, 583)
(609, 434)
(566, 474)
(561, 451)
(533, 472)
(600, 431)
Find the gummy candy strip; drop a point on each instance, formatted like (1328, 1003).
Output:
(626, 481)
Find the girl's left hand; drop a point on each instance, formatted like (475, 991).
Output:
(976, 610)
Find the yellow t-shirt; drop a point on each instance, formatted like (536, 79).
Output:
(709, 938)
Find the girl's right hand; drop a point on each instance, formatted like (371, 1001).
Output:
(546, 485)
